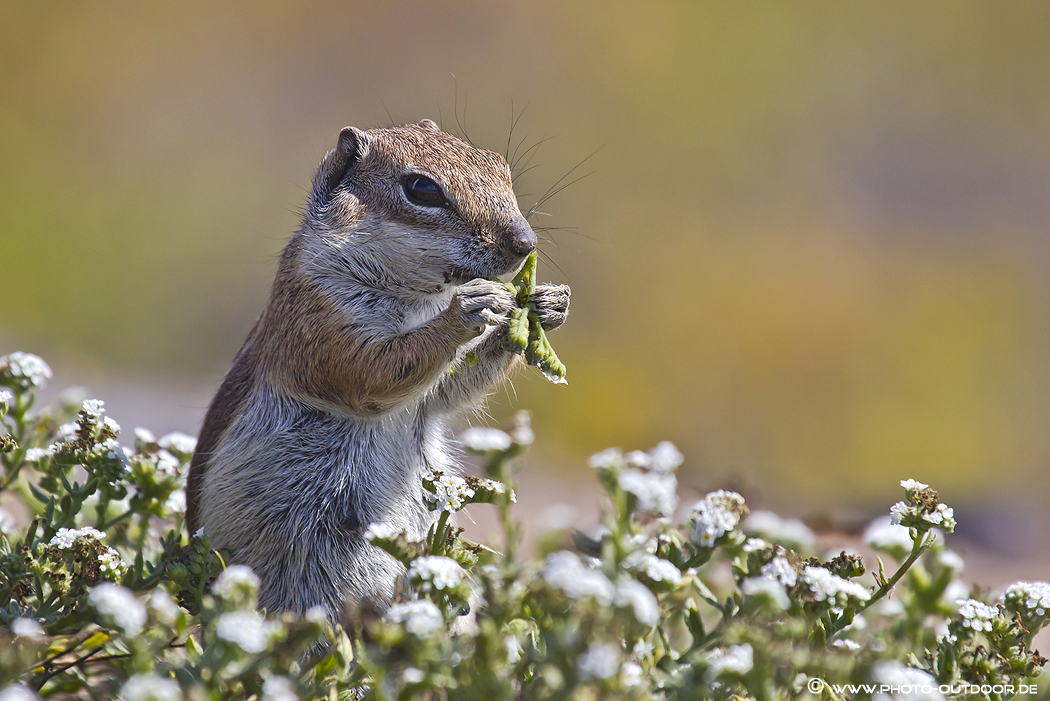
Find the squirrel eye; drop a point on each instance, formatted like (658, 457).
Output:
(424, 192)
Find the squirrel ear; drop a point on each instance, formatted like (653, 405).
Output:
(349, 151)
(429, 124)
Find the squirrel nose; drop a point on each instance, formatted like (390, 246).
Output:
(521, 239)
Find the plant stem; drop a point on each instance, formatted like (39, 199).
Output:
(918, 546)
(63, 668)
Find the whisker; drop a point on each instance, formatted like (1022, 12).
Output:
(555, 189)
(548, 195)
(551, 262)
(513, 124)
(526, 152)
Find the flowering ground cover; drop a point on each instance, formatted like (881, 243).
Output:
(102, 594)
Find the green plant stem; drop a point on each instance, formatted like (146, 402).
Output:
(918, 546)
(115, 521)
(63, 668)
(57, 655)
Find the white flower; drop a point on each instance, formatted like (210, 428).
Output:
(610, 457)
(664, 458)
(65, 537)
(233, 578)
(8, 525)
(112, 425)
(499, 488)
(150, 687)
(768, 587)
(786, 531)
(166, 463)
(951, 560)
(27, 628)
(600, 661)
(738, 659)
(637, 458)
(943, 517)
(436, 571)
(885, 535)
(522, 431)
(565, 571)
(179, 443)
(110, 562)
(1034, 596)
(781, 570)
(422, 618)
(898, 511)
(17, 692)
(382, 531)
(6, 399)
(68, 431)
(144, 436)
(199, 533)
(450, 492)
(752, 545)
(94, 407)
(890, 607)
(25, 368)
(976, 615)
(826, 586)
(635, 594)
(717, 514)
(895, 674)
(482, 440)
(279, 688)
(914, 484)
(846, 644)
(956, 591)
(631, 674)
(514, 649)
(655, 568)
(656, 492)
(38, 454)
(165, 607)
(120, 604)
(413, 675)
(176, 502)
(246, 629)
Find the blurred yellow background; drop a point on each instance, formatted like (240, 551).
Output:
(812, 250)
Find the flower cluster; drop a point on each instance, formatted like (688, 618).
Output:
(716, 515)
(482, 440)
(652, 567)
(118, 605)
(921, 509)
(832, 589)
(24, 371)
(789, 532)
(246, 629)
(435, 572)
(1031, 601)
(736, 659)
(421, 618)
(447, 492)
(977, 615)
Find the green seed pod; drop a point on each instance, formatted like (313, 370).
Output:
(519, 329)
(526, 334)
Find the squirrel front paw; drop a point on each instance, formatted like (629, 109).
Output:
(552, 305)
(480, 303)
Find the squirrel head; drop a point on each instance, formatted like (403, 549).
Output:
(414, 205)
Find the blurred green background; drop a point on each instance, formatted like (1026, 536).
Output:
(812, 250)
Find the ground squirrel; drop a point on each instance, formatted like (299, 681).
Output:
(340, 398)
